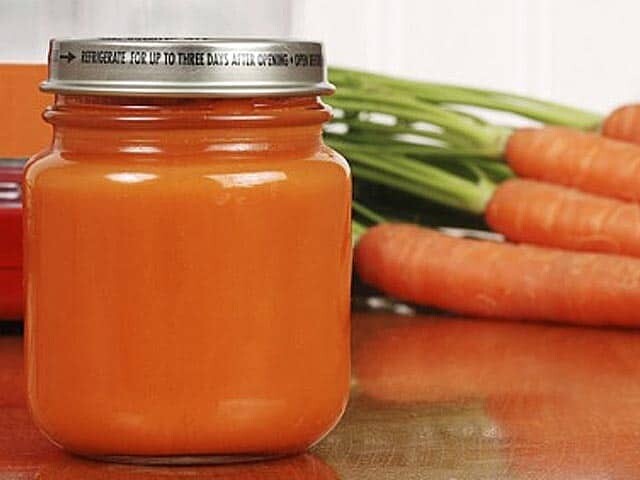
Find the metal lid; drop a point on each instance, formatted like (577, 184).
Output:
(187, 67)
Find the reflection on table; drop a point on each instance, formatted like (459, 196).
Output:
(488, 399)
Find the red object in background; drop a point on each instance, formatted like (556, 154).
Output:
(22, 133)
(11, 292)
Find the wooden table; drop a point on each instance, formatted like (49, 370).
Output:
(432, 398)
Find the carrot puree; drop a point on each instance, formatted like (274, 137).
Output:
(188, 277)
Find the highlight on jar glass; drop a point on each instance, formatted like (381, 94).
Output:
(187, 252)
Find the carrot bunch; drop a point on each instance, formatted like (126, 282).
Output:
(567, 193)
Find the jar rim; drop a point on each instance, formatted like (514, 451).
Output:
(187, 67)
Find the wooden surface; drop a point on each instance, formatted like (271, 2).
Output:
(432, 398)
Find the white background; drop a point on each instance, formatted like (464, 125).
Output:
(583, 52)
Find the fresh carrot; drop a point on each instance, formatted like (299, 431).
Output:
(522, 210)
(586, 161)
(623, 124)
(405, 136)
(551, 215)
(501, 280)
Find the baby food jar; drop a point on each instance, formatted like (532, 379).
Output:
(188, 252)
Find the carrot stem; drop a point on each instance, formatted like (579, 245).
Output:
(425, 181)
(367, 213)
(382, 143)
(357, 230)
(489, 139)
(547, 112)
(497, 171)
(372, 132)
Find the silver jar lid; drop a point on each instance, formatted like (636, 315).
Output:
(187, 67)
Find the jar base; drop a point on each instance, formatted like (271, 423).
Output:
(182, 459)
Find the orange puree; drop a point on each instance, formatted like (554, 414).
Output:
(188, 276)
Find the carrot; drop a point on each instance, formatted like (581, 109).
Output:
(550, 215)
(406, 136)
(490, 279)
(522, 210)
(623, 124)
(586, 161)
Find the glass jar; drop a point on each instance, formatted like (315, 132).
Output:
(188, 253)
